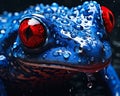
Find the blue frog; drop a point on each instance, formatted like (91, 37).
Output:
(52, 43)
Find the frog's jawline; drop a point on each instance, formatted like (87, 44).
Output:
(78, 68)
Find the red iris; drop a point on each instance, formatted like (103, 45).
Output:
(108, 18)
(32, 33)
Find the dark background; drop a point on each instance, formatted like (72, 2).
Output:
(17, 5)
(114, 5)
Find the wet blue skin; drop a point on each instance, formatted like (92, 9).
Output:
(76, 40)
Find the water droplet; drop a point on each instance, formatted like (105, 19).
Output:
(37, 8)
(64, 31)
(54, 35)
(9, 54)
(75, 12)
(106, 76)
(78, 27)
(54, 17)
(54, 6)
(117, 94)
(11, 63)
(56, 53)
(92, 58)
(68, 72)
(90, 78)
(66, 54)
(14, 45)
(85, 3)
(103, 60)
(57, 41)
(96, 71)
(91, 4)
(3, 45)
(79, 21)
(71, 16)
(100, 35)
(106, 73)
(2, 31)
(79, 60)
(16, 14)
(3, 61)
(14, 21)
(48, 10)
(79, 7)
(90, 85)
(98, 18)
(78, 49)
(23, 52)
(2, 57)
(73, 34)
(4, 20)
(89, 18)
(44, 56)
(63, 12)
(70, 90)
(64, 21)
(86, 21)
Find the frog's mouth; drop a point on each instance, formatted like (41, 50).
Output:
(59, 66)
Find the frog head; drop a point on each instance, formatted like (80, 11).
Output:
(53, 41)
(70, 39)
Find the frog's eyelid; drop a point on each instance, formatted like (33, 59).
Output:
(38, 15)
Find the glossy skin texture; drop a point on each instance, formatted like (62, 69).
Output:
(68, 41)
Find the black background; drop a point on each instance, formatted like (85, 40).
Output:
(17, 5)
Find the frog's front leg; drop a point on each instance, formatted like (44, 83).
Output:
(2, 89)
(3, 66)
(7, 37)
(112, 80)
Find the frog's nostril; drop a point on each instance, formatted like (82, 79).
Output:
(32, 33)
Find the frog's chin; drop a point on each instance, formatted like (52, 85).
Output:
(75, 68)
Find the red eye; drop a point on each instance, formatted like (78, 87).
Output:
(108, 18)
(32, 33)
